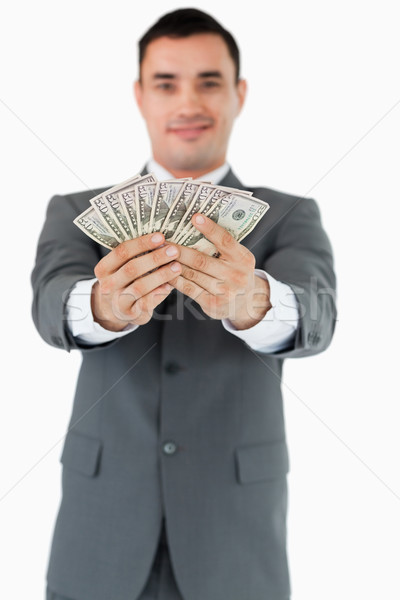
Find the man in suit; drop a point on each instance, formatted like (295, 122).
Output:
(175, 459)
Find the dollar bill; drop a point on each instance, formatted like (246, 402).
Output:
(206, 195)
(128, 201)
(127, 197)
(205, 207)
(179, 208)
(236, 213)
(111, 211)
(94, 227)
(144, 201)
(142, 205)
(165, 195)
(105, 212)
(117, 207)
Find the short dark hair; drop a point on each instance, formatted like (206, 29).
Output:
(185, 22)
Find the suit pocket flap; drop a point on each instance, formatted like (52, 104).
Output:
(262, 462)
(81, 453)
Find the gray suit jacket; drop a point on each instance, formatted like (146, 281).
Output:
(179, 419)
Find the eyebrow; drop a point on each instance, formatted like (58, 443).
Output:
(206, 74)
(202, 75)
(164, 76)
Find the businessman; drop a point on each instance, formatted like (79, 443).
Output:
(175, 458)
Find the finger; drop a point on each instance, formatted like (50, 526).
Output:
(138, 267)
(189, 288)
(146, 285)
(126, 251)
(231, 275)
(142, 310)
(221, 238)
(207, 282)
(216, 267)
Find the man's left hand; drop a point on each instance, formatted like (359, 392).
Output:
(225, 287)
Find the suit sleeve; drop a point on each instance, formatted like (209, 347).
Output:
(303, 259)
(64, 256)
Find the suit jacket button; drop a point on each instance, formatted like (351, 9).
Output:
(172, 368)
(170, 448)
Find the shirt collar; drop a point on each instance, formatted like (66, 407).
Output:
(161, 173)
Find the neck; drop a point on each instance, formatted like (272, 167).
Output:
(162, 173)
(178, 173)
(195, 174)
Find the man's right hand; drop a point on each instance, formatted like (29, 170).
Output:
(131, 284)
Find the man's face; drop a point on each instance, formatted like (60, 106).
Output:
(189, 99)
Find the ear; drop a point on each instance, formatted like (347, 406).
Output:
(241, 92)
(138, 92)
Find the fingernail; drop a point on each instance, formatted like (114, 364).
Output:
(157, 238)
(171, 251)
(175, 267)
(167, 287)
(199, 220)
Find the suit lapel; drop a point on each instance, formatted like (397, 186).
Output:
(230, 180)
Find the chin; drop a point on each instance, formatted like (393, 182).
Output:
(186, 161)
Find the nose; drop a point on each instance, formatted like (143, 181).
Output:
(189, 101)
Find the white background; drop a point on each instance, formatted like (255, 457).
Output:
(321, 120)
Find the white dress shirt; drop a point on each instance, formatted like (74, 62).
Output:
(275, 332)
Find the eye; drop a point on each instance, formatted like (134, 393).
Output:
(210, 83)
(165, 86)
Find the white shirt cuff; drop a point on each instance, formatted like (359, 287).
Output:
(80, 318)
(276, 331)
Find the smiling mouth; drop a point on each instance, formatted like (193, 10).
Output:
(190, 132)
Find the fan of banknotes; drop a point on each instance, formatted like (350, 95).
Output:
(142, 204)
